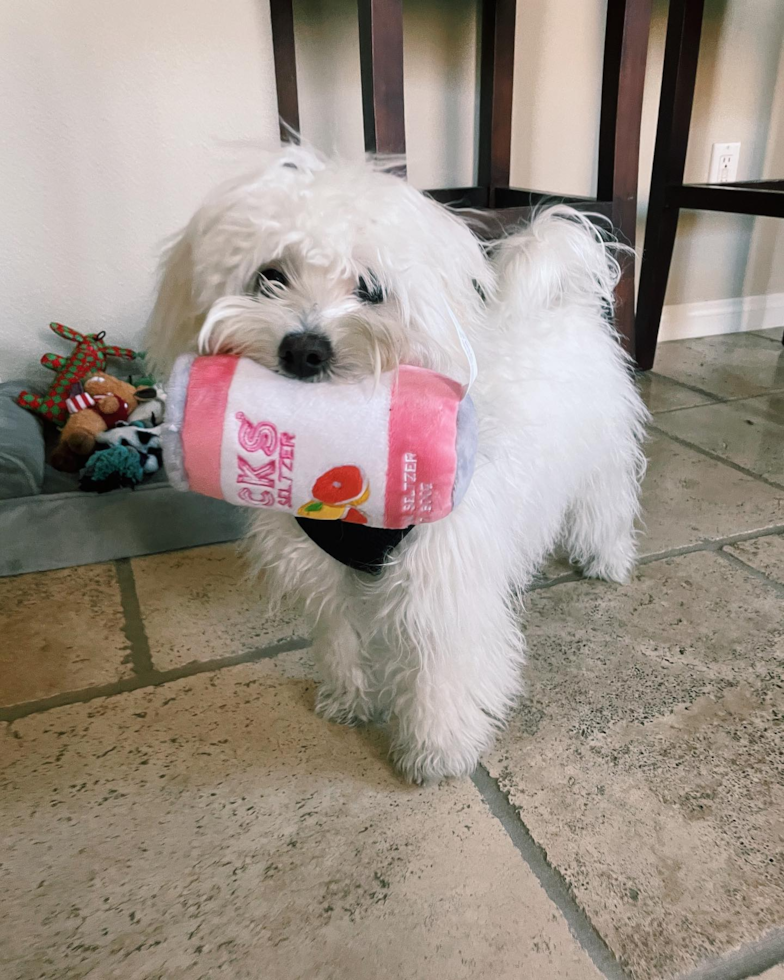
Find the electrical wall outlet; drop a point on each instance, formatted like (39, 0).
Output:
(724, 163)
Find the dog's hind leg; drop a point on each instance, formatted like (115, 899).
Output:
(601, 535)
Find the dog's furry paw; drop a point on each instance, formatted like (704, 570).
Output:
(343, 706)
(425, 765)
(618, 569)
(427, 768)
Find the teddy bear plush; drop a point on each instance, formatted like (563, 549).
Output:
(104, 402)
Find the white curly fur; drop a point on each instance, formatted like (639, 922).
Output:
(434, 644)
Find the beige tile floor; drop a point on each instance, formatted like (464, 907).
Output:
(171, 809)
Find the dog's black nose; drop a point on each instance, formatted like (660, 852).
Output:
(304, 355)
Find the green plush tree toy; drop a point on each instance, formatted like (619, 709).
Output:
(111, 469)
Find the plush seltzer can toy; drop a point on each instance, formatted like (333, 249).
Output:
(387, 452)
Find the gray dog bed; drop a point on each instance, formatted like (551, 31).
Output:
(47, 522)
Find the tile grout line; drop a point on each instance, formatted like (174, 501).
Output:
(708, 544)
(764, 336)
(154, 678)
(552, 881)
(743, 398)
(751, 570)
(715, 399)
(715, 457)
(713, 404)
(749, 961)
(133, 627)
(713, 544)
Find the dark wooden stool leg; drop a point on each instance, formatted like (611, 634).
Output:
(625, 54)
(496, 77)
(654, 273)
(381, 64)
(681, 52)
(282, 21)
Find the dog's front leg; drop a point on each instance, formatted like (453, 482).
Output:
(458, 665)
(296, 566)
(344, 695)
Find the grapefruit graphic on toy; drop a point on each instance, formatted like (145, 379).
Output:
(354, 516)
(321, 512)
(337, 495)
(340, 485)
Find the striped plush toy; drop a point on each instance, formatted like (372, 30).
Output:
(386, 454)
(87, 358)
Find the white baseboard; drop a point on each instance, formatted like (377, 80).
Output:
(722, 316)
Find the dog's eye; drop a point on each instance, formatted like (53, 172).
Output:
(266, 277)
(369, 291)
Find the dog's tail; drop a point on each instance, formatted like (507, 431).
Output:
(561, 258)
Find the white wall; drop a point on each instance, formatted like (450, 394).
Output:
(117, 118)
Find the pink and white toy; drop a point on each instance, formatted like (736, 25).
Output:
(387, 453)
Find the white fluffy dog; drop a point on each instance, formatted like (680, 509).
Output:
(331, 273)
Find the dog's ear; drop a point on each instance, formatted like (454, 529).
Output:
(145, 394)
(173, 326)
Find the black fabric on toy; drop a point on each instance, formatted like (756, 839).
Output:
(364, 548)
(146, 442)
